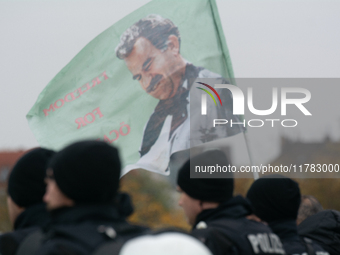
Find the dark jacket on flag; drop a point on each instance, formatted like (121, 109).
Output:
(188, 127)
(177, 106)
(226, 230)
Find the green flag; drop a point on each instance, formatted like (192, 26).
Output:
(129, 86)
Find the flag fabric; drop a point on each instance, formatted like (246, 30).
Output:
(100, 93)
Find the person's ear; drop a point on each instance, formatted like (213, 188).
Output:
(14, 210)
(173, 44)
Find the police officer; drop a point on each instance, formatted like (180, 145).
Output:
(324, 228)
(218, 219)
(26, 188)
(82, 183)
(276, 200)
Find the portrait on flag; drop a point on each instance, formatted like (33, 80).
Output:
(132, 86)
(151, 51)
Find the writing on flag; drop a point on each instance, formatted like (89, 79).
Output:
(75, 94)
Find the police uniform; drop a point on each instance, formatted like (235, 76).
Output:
(27, 222)
(26, 188)
(276, 200)
(83, 229)
(323, 228)
(292, 242)
(226, 230)
(87, 173)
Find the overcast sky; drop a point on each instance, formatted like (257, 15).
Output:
(281, 39)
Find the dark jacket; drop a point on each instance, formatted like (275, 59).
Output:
(324, 228)
(33, 218)
(225, 230)
(292, 242)
(82, 229)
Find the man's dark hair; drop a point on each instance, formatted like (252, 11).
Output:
(308, 207)
(154, 28)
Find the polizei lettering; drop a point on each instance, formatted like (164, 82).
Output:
(75, 94)
(267, 243)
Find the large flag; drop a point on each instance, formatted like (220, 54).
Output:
(129, 86)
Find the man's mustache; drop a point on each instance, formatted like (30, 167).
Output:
(154, 82)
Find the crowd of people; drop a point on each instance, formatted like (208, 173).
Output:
(69, 202)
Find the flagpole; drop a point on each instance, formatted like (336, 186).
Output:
(255, 174)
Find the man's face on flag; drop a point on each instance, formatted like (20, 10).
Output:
(156, 70)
